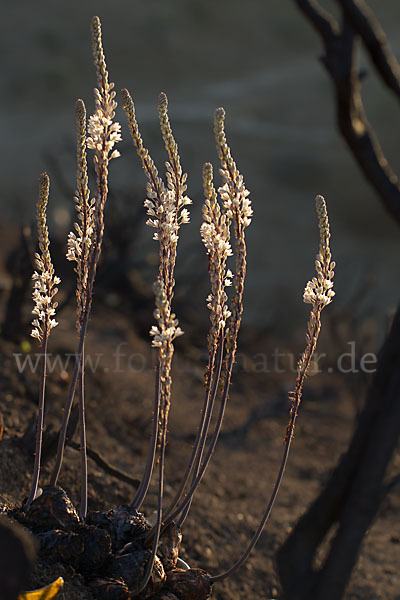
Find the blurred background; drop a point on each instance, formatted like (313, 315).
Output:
(257, 59)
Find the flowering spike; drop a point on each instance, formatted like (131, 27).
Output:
(81, 244)
(215, 234)
(147, 162)
(165, 204)
(98, 56)
(45, 281)
(320, 289)
(103, 132)
(169, 140)
(223, 149)
(237, 207)
(84, 247)
(319, 293)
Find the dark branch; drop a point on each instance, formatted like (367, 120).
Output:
(351, 499)
(106, 466)
(364, 22)
(323, 21)
(340, 60)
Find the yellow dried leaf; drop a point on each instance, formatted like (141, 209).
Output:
(45, 593)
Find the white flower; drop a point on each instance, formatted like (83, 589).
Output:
(318, 292)
(103, 134)
(43, 293)
(154, 330)
(115, 154)
(185, 216)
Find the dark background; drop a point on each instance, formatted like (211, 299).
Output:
(257, 59)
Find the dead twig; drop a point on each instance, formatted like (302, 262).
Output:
(364, 22)
(105, 465)
(341, 44)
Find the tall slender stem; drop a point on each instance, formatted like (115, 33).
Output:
(199, 436)
(68, 405)
(82, 431)
(43, 294)
(85, 318)
(157, 526)
(202, 443)
(319, 293)
(288, 441)
(40, 420)
(104, 133)
(211, 448)
(67, 411)
(144, 484)
(264, 518)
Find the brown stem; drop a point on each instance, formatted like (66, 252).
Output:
(340, 60)
(82, 431)
(288, 441)
(40, 420)
(157, 527)
(264, 518)
(145, 482)
(101, 200)
(203, 438)
(67, 408)
(211, 448)
(197, 442)
(68, 405)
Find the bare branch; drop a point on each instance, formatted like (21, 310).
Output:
(352, 497)
(102, 462)
(340, 60)
(364, 22)
(324, 22)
